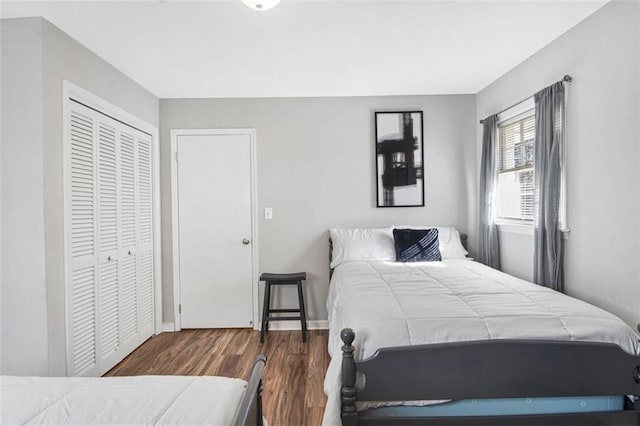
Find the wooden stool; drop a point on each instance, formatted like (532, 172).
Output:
(283, 279)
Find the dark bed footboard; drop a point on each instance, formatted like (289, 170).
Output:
(250, 409)
(491, 369)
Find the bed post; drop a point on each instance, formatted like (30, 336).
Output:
(349, 413)
(259, 400)
(250, 409)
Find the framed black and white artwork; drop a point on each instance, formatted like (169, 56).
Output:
(399, 159)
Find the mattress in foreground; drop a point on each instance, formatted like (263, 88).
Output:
(397, 304)
(120, 400)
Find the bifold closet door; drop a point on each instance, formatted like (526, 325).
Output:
(82, 243)
(128, 269)
(110, 292)
(145, 236)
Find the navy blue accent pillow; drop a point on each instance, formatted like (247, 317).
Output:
(417, 245)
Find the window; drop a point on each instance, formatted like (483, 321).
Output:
(515, 168)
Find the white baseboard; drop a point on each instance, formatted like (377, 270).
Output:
(295, 325)
(168, 327)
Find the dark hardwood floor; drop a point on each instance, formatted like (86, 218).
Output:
(294, 375)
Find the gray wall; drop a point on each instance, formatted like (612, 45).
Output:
(516, 255)
(316, 169)
(60, 57)
(65, 58)
(24, 321)
(603, 250)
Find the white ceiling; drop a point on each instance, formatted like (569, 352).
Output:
(311, 48)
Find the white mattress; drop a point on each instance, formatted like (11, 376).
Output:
(120, 400)
(396, 304)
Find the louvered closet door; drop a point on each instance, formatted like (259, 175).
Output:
(128, 233)
(109, 226)
(81, 222)
(109, 348)
(145, 236)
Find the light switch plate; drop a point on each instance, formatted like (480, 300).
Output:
(268, 213)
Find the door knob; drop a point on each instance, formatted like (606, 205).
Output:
(245, 241)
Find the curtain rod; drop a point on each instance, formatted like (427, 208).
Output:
(566, 78)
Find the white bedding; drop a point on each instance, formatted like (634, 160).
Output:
(396, 304)
(120, 400)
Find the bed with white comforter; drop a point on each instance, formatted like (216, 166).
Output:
(397, 304)
(120, 400)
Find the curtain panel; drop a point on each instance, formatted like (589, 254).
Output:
(549, 134)
(489, 250)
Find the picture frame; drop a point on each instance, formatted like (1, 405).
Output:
(399, 155)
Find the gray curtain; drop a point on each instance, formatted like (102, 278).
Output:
(489, 252)
(548, 242)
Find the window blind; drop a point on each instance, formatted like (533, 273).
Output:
(516, 184)
(516, 144)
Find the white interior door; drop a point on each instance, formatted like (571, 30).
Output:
(214, 219)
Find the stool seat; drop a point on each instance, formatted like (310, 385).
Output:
(295, 276)
(272, 279)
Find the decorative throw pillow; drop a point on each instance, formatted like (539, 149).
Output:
(416, 245)
(448, 238)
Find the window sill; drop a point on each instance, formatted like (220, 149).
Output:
(515, 227)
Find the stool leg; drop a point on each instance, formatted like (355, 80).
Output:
(303, 315)
(265, 310)
(268, 307)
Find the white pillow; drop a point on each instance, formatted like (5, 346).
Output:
(448, 241)
(356, 245)
(452, 248)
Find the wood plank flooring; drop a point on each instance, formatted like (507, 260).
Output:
(294, 375)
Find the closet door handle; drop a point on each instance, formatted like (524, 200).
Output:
(245, 241)
(130, 252)
(109, 258)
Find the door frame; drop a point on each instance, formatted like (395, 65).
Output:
(175, 228)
